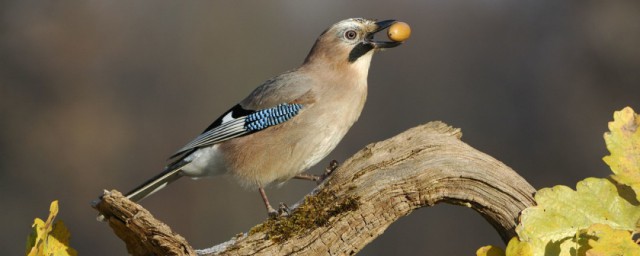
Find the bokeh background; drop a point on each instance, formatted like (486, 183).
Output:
(97, 94)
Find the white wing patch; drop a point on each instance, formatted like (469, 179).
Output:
(228, 117)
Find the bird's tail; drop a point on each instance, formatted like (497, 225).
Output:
(170, 174)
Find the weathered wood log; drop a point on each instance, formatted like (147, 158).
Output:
(423, 166)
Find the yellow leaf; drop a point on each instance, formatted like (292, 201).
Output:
(518, 248)
(490, 250)
(604, 240)
(551, 226)
(593, 219)
(49, 238)
(623, 142)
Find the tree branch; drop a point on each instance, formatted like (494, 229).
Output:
(384, 181)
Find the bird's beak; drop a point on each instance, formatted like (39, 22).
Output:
(381, 25)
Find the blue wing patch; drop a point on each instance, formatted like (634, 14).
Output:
(239, 122)
(262, 119)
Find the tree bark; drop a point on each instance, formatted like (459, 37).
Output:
(423, 166)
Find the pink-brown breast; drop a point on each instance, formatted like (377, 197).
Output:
(278, 153)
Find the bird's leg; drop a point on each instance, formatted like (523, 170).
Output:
(319, 178)
(272, 212)
(306, 176)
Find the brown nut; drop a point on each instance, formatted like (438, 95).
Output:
(399, 31)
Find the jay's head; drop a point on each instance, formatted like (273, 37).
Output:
(349, 42)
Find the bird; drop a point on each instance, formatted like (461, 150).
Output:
(290, 122)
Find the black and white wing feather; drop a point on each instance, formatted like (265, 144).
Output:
(239, 122)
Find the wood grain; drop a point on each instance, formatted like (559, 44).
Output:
(420, 167)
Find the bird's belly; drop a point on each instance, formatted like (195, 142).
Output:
(267, 157)
(207, 161)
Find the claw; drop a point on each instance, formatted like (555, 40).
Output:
(283, 210)
(333, 165)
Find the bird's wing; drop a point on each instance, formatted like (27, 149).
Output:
(274, 102)
(239, 122)
(289, 87)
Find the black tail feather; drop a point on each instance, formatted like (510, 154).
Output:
(170, 174)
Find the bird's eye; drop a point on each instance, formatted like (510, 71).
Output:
(350, 34)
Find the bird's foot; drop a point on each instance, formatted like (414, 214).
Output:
(333, 165)
(283, 211)
(272, 213)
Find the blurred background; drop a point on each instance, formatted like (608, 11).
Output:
(97, 94)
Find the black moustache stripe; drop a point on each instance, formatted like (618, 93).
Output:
(358, 51)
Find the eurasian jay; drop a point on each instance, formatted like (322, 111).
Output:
(290, 122)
